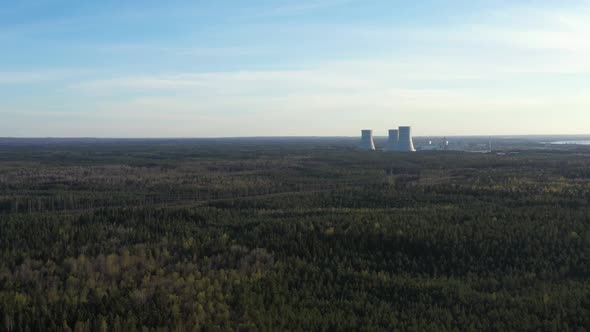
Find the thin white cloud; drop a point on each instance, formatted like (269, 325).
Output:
(159, 49)
(290, 8)
(41, 76)
(562, 28)
(240, 82)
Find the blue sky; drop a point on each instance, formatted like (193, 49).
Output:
(308, 67)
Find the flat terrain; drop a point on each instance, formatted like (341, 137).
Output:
(291, 234)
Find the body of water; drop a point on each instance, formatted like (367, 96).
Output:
(572, 142)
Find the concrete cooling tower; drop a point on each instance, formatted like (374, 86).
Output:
(393, 140)
(405, 140)
(367, 143)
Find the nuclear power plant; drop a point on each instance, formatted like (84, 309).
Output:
(367, 143)
(400, 140)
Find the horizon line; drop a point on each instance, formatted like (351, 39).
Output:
(264, 137)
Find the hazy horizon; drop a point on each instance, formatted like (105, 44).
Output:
(378, 136)
(309, 68)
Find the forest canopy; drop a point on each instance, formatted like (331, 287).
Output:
(301, 236)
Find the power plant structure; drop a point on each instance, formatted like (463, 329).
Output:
(400, 140)
(367, 143)
(393, 140)
(405, 142)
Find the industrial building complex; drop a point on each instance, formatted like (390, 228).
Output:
(400, 140)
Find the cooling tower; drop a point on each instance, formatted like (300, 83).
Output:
(367, 143)
(405, 140)
(393, 140)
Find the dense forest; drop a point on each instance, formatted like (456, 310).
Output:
(291, 235)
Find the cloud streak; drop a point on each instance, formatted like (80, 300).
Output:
(298, 7)
(41, 76)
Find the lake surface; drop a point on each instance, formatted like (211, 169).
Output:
(572, 142)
